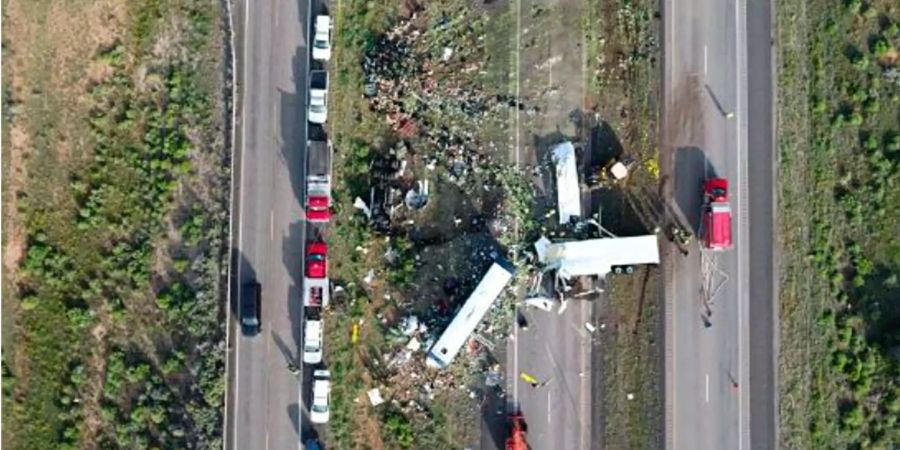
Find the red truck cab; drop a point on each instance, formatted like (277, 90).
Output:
(318, 208)
(716, 214)
(316, 260)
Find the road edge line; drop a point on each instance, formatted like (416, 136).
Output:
(229, 11)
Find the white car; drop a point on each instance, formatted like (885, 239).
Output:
(312, 342)
(318, 97)
(321, 49)
(319, 411)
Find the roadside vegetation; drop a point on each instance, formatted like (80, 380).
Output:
(115, 220)
(839, 110)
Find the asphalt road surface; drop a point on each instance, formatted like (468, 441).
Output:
(263, 410)
(707, 298)
(763, 288)
(715, 377)
(555, 350)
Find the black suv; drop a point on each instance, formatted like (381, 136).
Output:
(250, 305)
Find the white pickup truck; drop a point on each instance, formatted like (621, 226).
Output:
(318, 97)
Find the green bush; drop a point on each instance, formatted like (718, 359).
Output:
(839, 361)
(399, 429)
(871, 105)
(853, 417)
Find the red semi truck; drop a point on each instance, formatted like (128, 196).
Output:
(315, 297)
(315, 278)
(318, 181)
(716, 214)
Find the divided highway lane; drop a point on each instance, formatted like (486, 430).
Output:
(705, 136)
(263, 411)
(718, 87)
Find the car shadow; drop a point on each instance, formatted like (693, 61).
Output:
(242, 272)
(603, 146)
(292, 139)
(292, 125)
(299, 416)
(292, 251)
(692, 167)
(494, 408)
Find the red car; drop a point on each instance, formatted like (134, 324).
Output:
(716, 214)
(316, 260)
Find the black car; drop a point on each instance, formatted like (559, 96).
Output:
(250, 306)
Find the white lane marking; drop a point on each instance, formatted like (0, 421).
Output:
(549, 405)
(705, 59)
(518, 69)
(741, 248)
(671, 46)
(585, 399)
(707, 388)
(274, 120)
(309, 12)
(515, 396)
(237, 346)
(272, 225)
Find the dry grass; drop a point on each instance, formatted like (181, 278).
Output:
(60, 59)
(42, 58)
(48, 72)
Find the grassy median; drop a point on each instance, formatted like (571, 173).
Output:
(623, 68)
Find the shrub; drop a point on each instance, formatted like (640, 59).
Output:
(871, 105)
(881, 48)
(853, 417)
(839, 361)
(860, 61)
(399, 429)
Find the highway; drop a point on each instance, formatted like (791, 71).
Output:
(263, 408)
(717, 88)
(556, 348)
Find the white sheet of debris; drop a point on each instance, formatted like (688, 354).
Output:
(567, 190)
(375, 398)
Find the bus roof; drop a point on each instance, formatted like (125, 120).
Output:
(467, 319)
